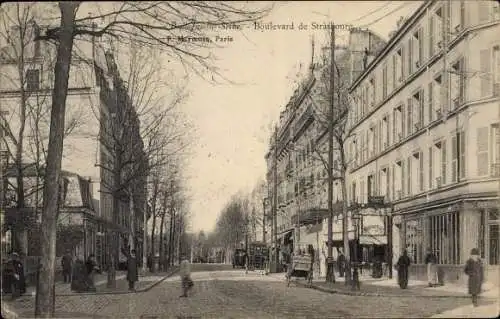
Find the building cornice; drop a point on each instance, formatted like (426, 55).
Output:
(393, 41)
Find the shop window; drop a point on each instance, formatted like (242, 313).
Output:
(414, 240)
(444, 235)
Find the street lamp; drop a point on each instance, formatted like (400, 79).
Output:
(356, 218)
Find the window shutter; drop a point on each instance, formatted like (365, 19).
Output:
(394, 125)
(482, 151)
(485, 74)
(403, 60)
(483, 11)
(421, 99)
(410, 56)
(403, 121)
(421, 173)
(388, 130)
(403, 179)
(420, 45)
(431, 107)
(409, 114)
(454, 159)
(394, 66)
(431, 35)
(409, 179)
(393, 184)
(431, 168)
(443, 162)
(388, 182)
(462, 155)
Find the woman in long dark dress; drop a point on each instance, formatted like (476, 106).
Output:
(402, 265)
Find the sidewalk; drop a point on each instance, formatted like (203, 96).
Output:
(389, 287)
(485, 310)
(26, 303)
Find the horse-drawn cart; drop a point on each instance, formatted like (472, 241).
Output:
(300, 268)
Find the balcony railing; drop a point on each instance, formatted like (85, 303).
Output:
(306, 117)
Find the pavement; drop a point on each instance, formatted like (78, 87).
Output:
(389, 287)
(221, 292)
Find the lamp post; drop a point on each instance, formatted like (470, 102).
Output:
(355, 217)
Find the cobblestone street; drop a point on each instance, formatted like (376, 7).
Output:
(232, 294)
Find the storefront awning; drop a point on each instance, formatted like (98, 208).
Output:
(372, 240)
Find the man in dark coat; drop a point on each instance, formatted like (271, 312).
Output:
(66, 264)
(341, 263)
(402, 266)
(474, 269)
(132, 274)
(15, 282)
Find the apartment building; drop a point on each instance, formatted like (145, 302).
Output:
(88, 113)
(425, 124)
(298, 151)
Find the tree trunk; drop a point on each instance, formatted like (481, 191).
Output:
(171, 238)
(132, 241)
(45, 302)
(345, 231)
(20, 225)
(114, 251)
(161, 250)
(153, 231)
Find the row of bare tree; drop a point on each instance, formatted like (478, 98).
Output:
(148, 25)
(240, 221)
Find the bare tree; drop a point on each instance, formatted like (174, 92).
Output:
(342, 130)
(24, 73)
(156, 24)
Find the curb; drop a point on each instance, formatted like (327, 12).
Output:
(147, 288)
(374, 294)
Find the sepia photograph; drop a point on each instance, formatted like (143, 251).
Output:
(250, 159)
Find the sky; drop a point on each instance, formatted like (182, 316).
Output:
(233, 122)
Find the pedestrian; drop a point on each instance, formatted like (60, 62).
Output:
(430, 261)
(474, 269)
(150, 263)
(92, 269)
(15, 282)
(66, 264)
(185, 274)
(311, 253)
(341, 263)
(402, 266)
(132, 273)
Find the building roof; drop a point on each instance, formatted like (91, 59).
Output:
(395, 39)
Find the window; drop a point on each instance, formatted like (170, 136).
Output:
(385, 131)
(443, 162)
(400, 65)
(431, 168)
(409, 116)
(457, 76)
(372, 90)
(414, 241)
(484, 14)
(33, 80)
(444, 232)
(482, 151)
(409, 176)
(457, 157)
(436, 93)
(371, 185)
(495, 150)
(354, 197)
(438, 163)
(457, 16)
(417, 49)
(418, 110)
(438, 29)
(398, 177)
